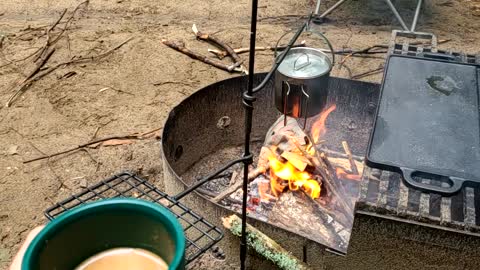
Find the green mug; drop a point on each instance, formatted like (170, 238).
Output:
(86, 230)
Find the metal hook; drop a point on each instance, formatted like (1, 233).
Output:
(306, 107)
(285, 104)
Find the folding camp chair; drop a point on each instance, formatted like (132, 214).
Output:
(389, 3)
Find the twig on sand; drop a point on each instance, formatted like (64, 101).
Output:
(40, 74)
(212, 39)
(221, 54)
(180, 46)
(98, 142)
(51, 41)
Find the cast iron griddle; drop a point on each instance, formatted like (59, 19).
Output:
(428, 122)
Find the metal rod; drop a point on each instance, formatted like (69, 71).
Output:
(332, 8)
(395, 12)
(415, 17)
(317, 8)
(208, 178)
(248, 100)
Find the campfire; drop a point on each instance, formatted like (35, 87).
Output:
(301, 185)
(290, 157)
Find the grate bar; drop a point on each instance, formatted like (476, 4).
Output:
(200, 234)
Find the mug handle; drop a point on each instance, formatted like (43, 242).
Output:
(457, 183)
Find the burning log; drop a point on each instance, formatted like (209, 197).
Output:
(264, 245)
(298, 161)
(298, 187)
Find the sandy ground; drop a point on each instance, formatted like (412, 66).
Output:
(134, 88)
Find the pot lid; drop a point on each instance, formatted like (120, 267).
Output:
(305, 63)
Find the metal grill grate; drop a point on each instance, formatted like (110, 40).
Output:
(200, 234)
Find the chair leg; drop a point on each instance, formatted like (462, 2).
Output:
(332, 8)
(395, 12)
(389, 3)
(415, 17)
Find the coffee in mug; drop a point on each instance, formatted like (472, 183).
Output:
(124, 259)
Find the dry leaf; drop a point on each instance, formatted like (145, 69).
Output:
(12, 150)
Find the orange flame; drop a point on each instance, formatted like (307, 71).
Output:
(310, 149)
(318, 128)
(280, 172)
(341, 173)
(296, 109)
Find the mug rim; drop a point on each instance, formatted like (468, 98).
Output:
(174, 228)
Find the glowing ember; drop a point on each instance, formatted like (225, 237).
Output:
(280, 172)
(318, 128)
(296, 109)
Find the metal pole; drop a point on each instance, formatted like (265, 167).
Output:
(415, 17)
(395, 12)
(248, 100)
(317, 8)
(328, 11)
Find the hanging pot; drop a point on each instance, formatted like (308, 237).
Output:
(301, 81)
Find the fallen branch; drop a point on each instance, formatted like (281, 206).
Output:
(112, 141)
(50, 42)
(181, 48)
(264, 245)
(82, 59)
(221, 54)
(210, 38)
(40, 64)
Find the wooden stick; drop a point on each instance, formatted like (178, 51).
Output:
(264, 245)
(353, 166)
(221, 54)
(206, 192)
(342, 155)
(50, 41)
(237, 183)
(134, 136)
(224, 46)
(181, 48)
(233, 178)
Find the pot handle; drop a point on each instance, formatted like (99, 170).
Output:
(330, 47)
(308, 29)
(456, 183)
(295, 67)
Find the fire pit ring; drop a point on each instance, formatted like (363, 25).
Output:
(213, 119)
